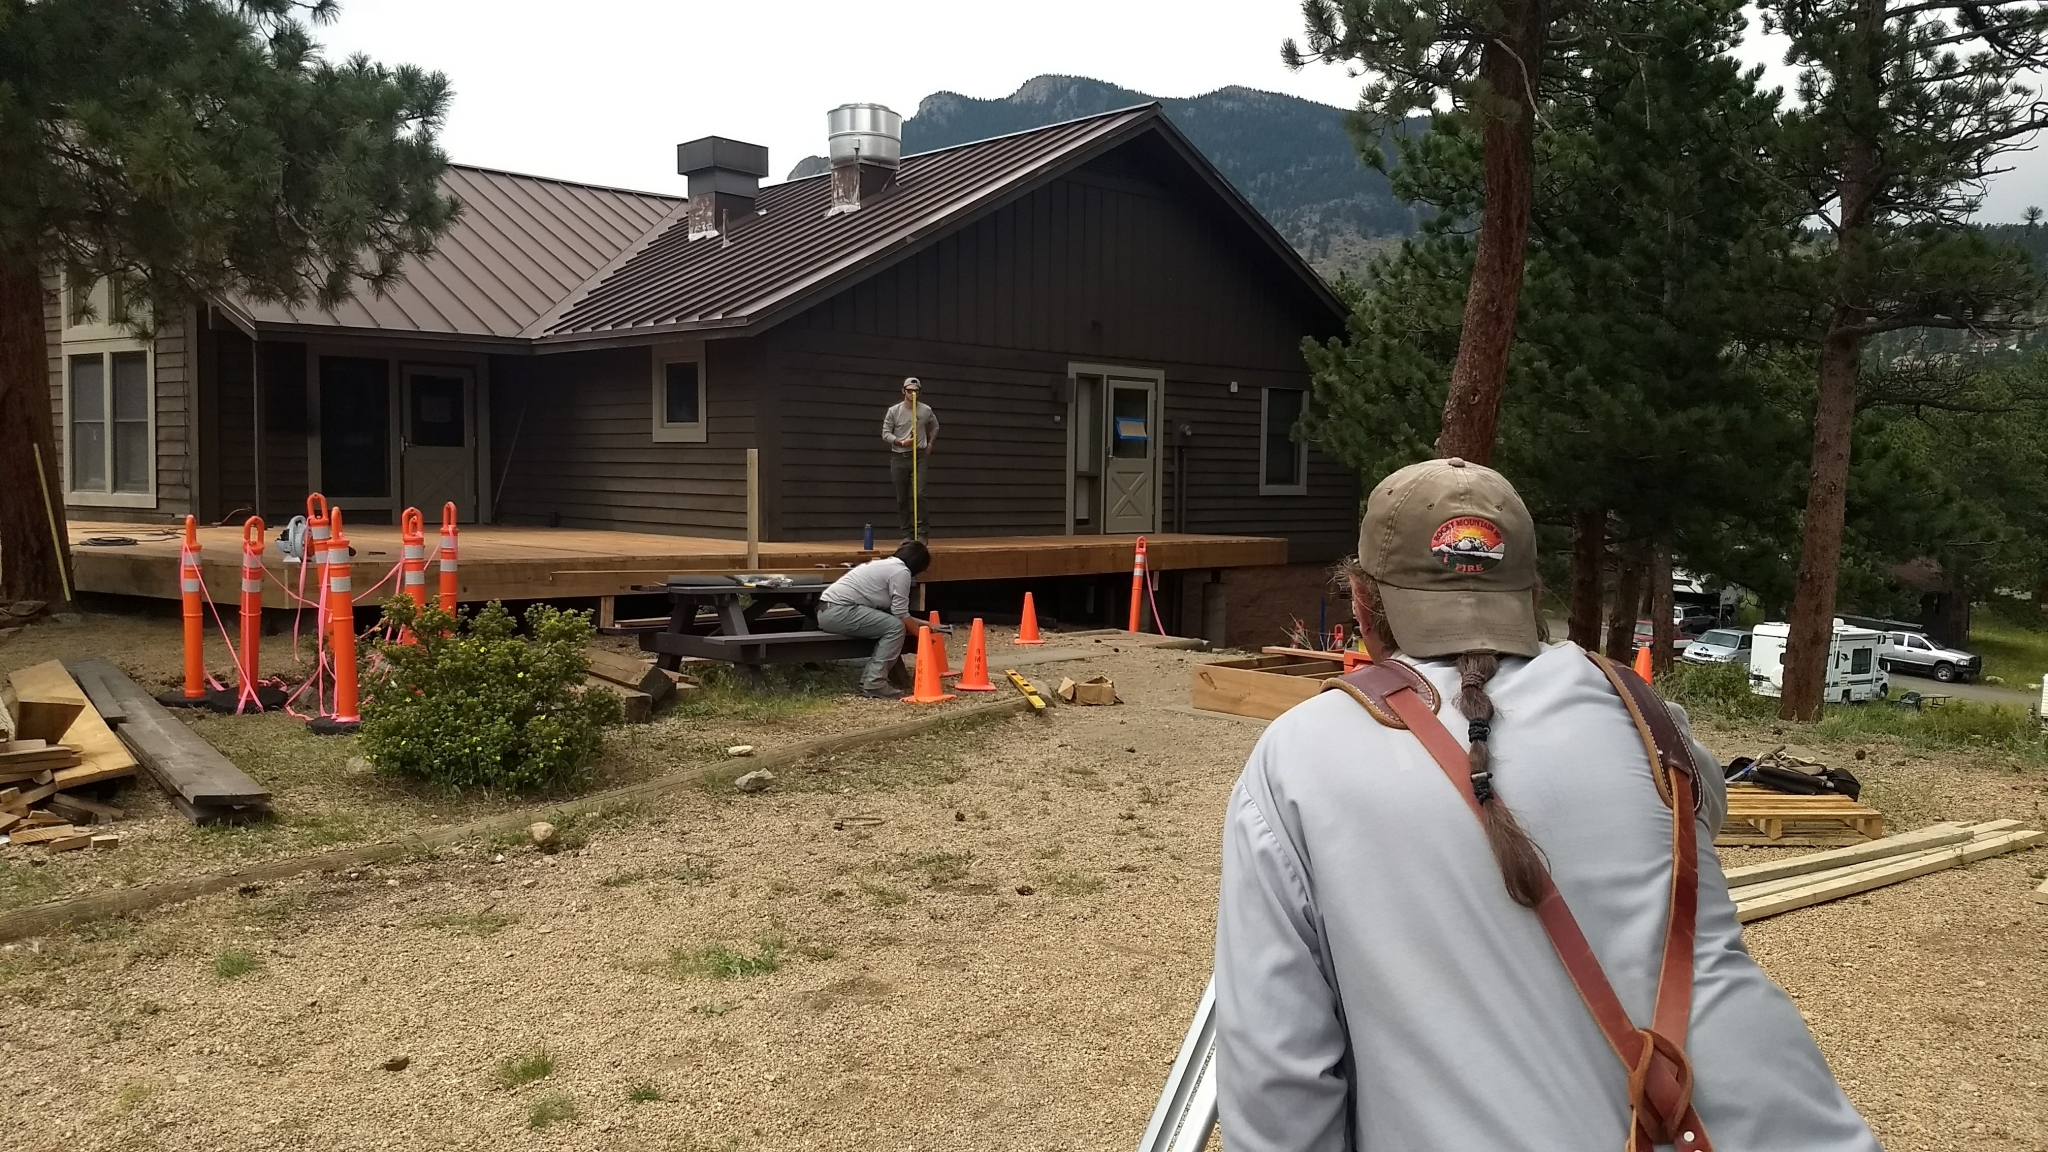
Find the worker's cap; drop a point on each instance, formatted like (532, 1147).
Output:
(1453, 549)
(910, 384)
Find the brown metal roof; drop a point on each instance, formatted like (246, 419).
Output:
(793, 251)
(520, 245)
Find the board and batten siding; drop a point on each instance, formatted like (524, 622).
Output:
(572, 443)
(1099, 267)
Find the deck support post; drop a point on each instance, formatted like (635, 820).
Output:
(753, 509)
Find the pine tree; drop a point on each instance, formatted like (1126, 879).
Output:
(183, 149)
(1904, 109)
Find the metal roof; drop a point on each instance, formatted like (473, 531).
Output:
(520, 245)
(792, 252)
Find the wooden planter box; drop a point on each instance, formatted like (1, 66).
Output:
(1261, 686)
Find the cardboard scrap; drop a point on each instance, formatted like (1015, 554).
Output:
(1095, 690)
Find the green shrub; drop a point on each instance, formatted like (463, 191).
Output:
(475, 705)
(1720, 690)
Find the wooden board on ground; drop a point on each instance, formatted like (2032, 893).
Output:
(2041, 893)
(80, 810)
(46, 701)
(637, 707)
(101, 755)
(39, 835)
(1863, 878)
(1261, 686)
(631, 672)
(97, 694)
(1920, 839)
(1758, 816)
(179, 759)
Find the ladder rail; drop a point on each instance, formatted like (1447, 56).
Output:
(1186, 1112)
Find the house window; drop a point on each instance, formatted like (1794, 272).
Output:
(1283, 460)
(679, 396)
(109, 428)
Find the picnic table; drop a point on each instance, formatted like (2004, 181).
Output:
(744, 620)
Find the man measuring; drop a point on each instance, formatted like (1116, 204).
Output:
(910, 429)
(872, 602)
(1470, 899)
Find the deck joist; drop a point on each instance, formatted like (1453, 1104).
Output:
(516, 563)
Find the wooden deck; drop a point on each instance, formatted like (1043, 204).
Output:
(503, 563)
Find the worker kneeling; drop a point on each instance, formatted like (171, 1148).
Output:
(873, 603)
(1470, 899)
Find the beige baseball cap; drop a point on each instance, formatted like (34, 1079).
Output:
(1454, 551)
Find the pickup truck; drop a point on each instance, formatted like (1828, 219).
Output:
(1914, 653)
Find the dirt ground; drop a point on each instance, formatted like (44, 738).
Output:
(984, 937)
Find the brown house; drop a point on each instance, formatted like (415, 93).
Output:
(1109, 333)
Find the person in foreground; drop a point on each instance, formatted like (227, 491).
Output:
(872, 602)
(1408, 860)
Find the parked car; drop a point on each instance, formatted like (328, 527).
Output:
(1692, 619)
(1678, 639)
(1719, 646)
(1914, 653)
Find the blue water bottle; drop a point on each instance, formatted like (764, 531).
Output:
(867, 538)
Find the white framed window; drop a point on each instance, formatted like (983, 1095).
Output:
(1283, 460)
(679, 395)
(110, 426)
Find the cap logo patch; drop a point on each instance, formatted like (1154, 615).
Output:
(1468, 544)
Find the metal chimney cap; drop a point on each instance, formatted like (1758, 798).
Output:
(720, 152)
(864, 133)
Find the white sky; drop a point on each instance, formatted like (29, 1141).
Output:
(603, 90)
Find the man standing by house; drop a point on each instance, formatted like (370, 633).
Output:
(910, 430)
(872, 602)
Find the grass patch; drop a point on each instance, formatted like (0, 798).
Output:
(943, 867)
(235, 962)
(621, 879)
(643, 1093)
(720, 962)
(883, 895)
(1072, 884)
(515, 1071)
(554, 1109)
(785, 693)
(711, 1009)
(2013, 652)
(695, 872)
(473, 924)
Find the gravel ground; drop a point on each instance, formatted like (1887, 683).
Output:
(849, 961)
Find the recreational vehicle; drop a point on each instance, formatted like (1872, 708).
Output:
(1854, 674)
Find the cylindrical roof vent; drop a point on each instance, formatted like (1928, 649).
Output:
(865, 134)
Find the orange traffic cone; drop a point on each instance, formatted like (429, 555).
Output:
(939, 645)
(1643, 662)
(974, 677)
(929, 688)
(1027, 628)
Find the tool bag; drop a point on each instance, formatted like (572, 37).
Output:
(1659, 1075)
(1794, 781)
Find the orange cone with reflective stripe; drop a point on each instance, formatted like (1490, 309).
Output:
(1027, 628)
(412, 539)
(341, 617)
(250, 662)
(1137, 586)
(974, 676)
(195, 612)
(449, 563)
(930, 690)
(939, 643)
(1643, 662)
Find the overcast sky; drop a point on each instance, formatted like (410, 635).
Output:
(603, 90)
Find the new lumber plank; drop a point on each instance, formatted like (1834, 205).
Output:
(179, 759)
(2041, 893)
(46, 701)
(97, 746)
(38, 835)
(1932, 836)
(1890, 872)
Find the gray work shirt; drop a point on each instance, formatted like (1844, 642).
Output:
(896, 426)
(882, 584)
(1355, 880)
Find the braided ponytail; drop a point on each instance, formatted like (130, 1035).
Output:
(1521, 865)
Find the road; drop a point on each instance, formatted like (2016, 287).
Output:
(1982, 693)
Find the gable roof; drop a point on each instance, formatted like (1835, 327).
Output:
(548, 263)
(520, 244)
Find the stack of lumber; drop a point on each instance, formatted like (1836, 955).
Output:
(201, 783)
(60, 744)
(1762, 890)
(1759, 816)
(641, 687)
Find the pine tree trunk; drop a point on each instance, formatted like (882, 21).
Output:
(1810, 638)
(31, 498)
(1662, 631)
(1509, 65)
(1628, 602)
(1589, 557)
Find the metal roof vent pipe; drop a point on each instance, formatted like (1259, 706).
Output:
(725, 177)
(866, 146)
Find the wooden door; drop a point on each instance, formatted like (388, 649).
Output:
(1130, 462)
(438, 458)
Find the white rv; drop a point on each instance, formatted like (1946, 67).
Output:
(1854, 674)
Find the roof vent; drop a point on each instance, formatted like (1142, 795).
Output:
(866, 146)
(725, 176)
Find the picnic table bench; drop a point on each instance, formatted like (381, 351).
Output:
(745, 620)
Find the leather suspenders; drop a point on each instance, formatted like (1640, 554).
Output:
(1659, 1075)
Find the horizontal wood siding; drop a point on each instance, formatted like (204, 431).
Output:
(177, 455)
(572, 441)
(1098, 267)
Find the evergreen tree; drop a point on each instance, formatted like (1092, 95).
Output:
(1905, 106)
(182, 149)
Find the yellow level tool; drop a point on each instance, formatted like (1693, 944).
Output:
(1024, 686)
